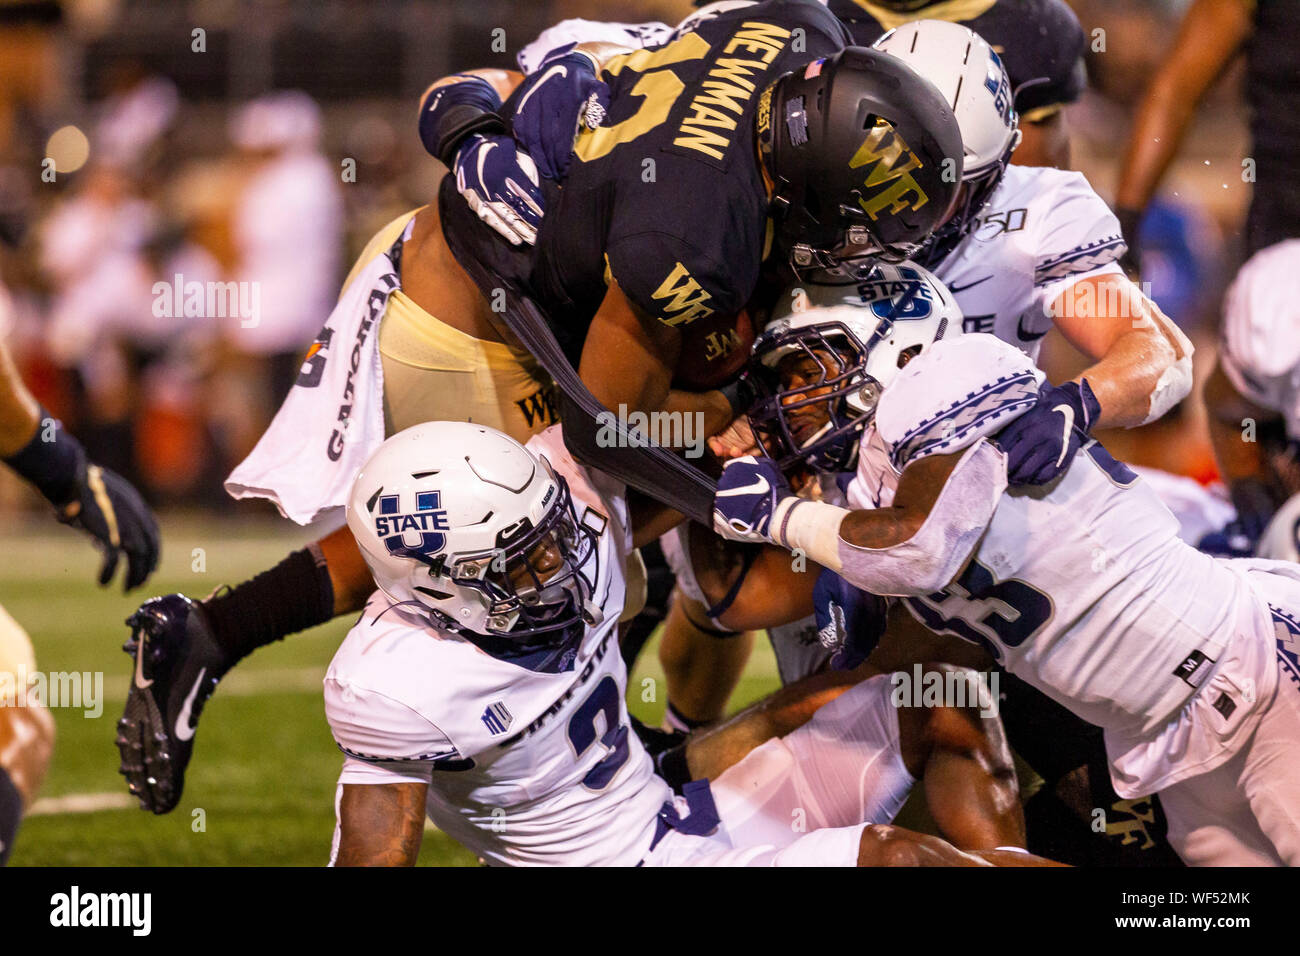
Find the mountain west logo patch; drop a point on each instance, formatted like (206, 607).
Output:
(496, 718)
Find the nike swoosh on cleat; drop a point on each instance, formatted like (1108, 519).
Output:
(1068, 412)
(757, 488)
(184, 729)
(139, 662)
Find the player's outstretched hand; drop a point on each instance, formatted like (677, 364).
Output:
(499, 181)
(110, 510)
(748, 493)
(1040, 444)
(565, 92)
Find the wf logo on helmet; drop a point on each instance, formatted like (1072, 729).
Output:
(888, 184)
(428, 522)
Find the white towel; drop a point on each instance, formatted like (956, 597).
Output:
(333, 418)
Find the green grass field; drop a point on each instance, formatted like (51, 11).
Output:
(260, 789)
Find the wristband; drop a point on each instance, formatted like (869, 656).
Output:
(812, 527)
(54, 466)
(739, 395)
(456, 111)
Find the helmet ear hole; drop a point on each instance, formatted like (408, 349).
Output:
(907, 354)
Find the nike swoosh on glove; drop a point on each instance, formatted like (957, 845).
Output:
(108, 508)
(748, 492)
(564, 94)
(499, 181)
(1040, 444)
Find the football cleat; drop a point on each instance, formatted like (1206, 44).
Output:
(177, 666)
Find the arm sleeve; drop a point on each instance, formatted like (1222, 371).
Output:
(383, 740)
(931, 558)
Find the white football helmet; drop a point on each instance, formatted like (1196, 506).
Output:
(819, 371)
(1281, 538)
(464, 524)
(971, 77)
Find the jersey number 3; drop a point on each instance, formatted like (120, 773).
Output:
(583, 733)
(985, 611)
(658, 88)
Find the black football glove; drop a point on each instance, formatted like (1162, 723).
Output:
(110, 510)
(94, 499)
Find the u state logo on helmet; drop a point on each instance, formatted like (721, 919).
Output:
(418, 534)
(904, 294)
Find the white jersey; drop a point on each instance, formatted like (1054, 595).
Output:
(1081, 587)
(1042, 231)
(1261, 331)
(636, 36)
(1199, 510)
(525, 767)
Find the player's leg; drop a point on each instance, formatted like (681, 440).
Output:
(702, 658)
(827, 752)
(702, 664)
(864, 844)
(882, 845)
(1211, 823)
(26, 737)
(960, 752)
(711, 752)
(1270, 777)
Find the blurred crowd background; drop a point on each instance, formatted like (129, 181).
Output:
(264, 141)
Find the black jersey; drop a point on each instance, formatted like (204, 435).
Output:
(1040, 42)
(667, 198)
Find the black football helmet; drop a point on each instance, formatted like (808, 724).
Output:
(864, 153)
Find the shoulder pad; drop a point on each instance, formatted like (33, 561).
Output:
(953, 394)
(371, 726)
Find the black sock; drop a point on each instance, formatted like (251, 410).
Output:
(11, 811)
(675, 719)
(672, 766)
(294, 595)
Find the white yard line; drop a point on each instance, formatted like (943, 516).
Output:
(82, 803)
(276, 680)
